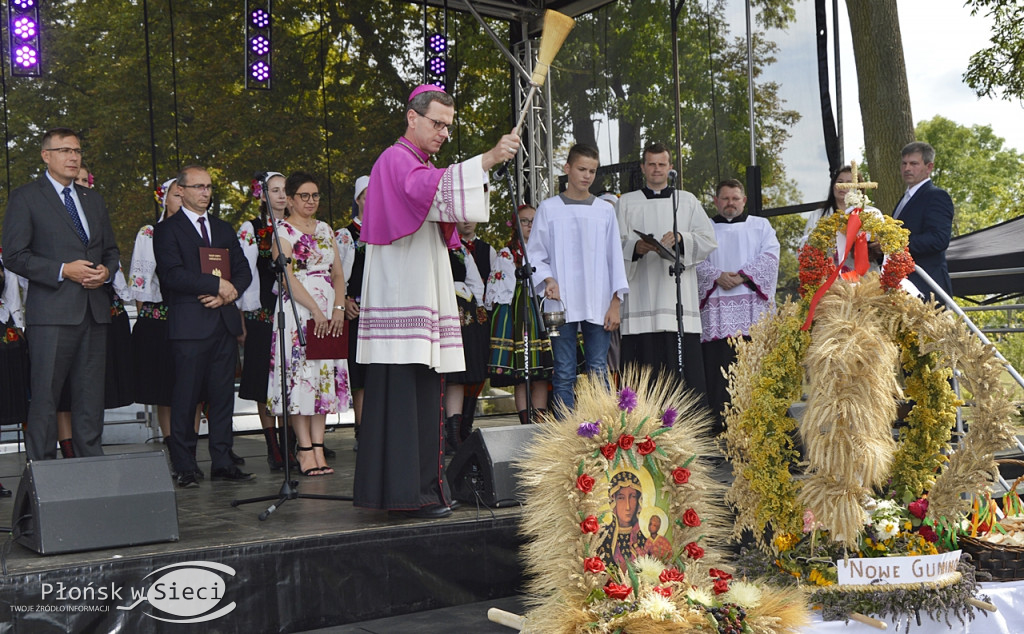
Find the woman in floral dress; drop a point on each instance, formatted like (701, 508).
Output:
(315, 388)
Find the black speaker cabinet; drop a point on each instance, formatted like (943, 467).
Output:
(482, 467)
(99, 502)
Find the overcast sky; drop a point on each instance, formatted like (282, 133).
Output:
(939, 37)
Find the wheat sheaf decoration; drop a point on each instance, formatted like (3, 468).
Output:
(624, 523)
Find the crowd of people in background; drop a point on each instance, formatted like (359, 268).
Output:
(430, 310)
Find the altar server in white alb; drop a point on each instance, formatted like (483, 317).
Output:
(575, 249)
(409, 332)
(736, 285)
(649, 324)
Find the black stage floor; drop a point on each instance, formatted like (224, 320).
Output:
(312, 564)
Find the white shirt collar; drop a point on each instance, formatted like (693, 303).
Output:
(913, 190)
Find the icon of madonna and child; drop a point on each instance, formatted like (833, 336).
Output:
(639, 525)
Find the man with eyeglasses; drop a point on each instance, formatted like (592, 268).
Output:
(409, 330)
(203, 325)
(58, 236)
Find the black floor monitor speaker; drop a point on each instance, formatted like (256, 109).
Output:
(91, 503)
(482, 468)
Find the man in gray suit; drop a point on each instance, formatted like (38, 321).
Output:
(58, 236)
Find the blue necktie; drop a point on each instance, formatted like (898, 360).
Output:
(69, 204)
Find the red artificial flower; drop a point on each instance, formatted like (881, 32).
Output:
(646, 446)
(593, 565)
(668, 575)
(665, 592)
(680, 475)
(693, 551)
(12, 335)
(626, 441)
(608, 451)
(721, 586)
(590, 525)
(691, 519)
(585, 483)
(617, 591)
(918, 508)
(720, 574)
(928, 533)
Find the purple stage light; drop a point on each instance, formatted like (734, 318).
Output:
(26, 56)
(437, 66)
(259, 45)
(260, 71)
(24, 28)
(260, 19)
(438, 43)
(24, 4)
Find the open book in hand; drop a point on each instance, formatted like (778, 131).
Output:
(661, 249)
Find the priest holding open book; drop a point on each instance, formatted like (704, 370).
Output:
(649, 324)
(202, 270)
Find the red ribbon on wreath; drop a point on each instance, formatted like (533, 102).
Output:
(854, 240)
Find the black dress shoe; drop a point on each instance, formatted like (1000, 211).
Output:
(455, 505)
(233, 474)
(235, 458)
(433, 511)
(4, 492)
(187, 480)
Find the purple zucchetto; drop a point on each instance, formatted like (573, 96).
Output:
(422, 88)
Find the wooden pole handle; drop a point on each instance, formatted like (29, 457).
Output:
(508, 619)
(978, 603)
(867, 620)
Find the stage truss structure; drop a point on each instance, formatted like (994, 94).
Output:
(535, 173)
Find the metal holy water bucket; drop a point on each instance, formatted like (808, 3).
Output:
(552, 319)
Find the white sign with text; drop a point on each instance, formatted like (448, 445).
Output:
(894, 570)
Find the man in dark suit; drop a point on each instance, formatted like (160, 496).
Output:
(927, 212)
(58, 236)
(203, 324)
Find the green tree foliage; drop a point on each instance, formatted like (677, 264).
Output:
(985, 179)
(332, 119)
(615, 63)
(999, 69)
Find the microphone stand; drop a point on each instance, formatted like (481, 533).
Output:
(528, 309)
(676, 269)
(289, 488)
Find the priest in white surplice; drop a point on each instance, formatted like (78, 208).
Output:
(409, 332)
(736, 285)
(649, 324)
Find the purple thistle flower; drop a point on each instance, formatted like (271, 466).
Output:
(627, 399)
(669, 417)
(588, 429)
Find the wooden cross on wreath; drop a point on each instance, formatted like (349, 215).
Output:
(861, 198)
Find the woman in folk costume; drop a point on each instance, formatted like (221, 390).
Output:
(469, 295)
(258, 305)
(153, 361)
(353, 258)
(505, 295)
(14, 388)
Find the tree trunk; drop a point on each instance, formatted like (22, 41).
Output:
(884, 95)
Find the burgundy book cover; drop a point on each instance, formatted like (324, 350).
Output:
(216, 262)
(328, 347)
